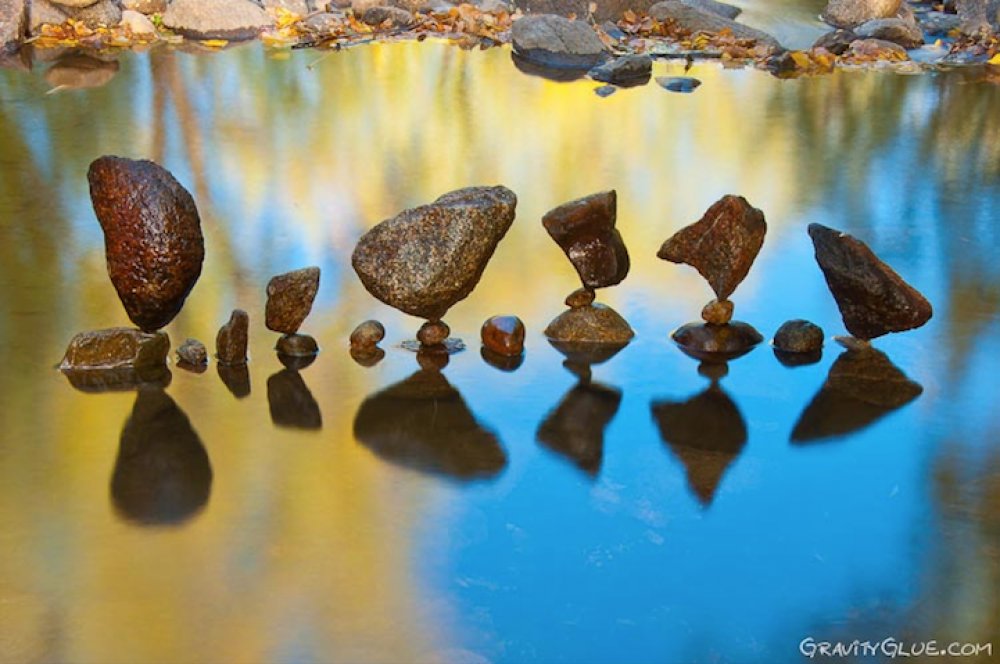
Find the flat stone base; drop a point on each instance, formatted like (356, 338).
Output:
(717, 342)
(594, 324)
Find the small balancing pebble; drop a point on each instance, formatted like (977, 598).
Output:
(504, 335)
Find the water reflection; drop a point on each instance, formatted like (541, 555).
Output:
(123, 379)
(292, 404)
(77, 71)
(863, 386)
(706, 432)
(423, 423)
(235, 378)
(162, 474)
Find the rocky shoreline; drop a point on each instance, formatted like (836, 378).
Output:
(614, 41)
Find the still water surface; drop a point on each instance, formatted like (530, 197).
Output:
(290, 537)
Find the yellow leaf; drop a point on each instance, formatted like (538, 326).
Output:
(995, 60)
(214, 43)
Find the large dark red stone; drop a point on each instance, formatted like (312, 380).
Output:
(872, 298)
(152, 237)
(585, 230)
(722, 245)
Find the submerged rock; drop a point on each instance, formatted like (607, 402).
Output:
(852, 13)
(192, 352)
(503, 335)
(290, 298)
(596, 324)
(905, 33)
(872, 298)
(556, 42)
(152, 237)
(585, 230)
(232, 339)
(116, 348)
(428, 258)
(694, 19)
(233, 20)
(717, 342)
(13, 25)
(367, 335)
(799, 336)
(685, 84)
(626, 71)
(722, 245)
(581, 297)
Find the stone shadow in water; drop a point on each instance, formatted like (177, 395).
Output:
(292, 404)
(236, 378)
(863, 386)
(706, 433)
(423, 423)
(123, 379)
(162, 475)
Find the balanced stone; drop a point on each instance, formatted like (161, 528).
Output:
(290, 298)
(192, 352)
(628, 70)
(116, 348)
(594, 324)
(152, 237)
(717, 341)
(581, 297)
(503, 335)
(231, 341)
(799, 336)
(433, 333)
(428, 258)
(297, 345)
(585, 230)
(367, 335)
(722, 245)
(872, 298)
(717, 312)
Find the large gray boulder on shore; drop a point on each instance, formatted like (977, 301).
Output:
(693, 19)
(234, 20)
(13, 17)
(557, 42)
(852, 13)
(979, 16)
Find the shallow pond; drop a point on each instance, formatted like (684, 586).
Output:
(288, 536)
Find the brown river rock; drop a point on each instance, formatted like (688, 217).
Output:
(116, 348)
(290, 298)
(722, 245)
(503, 335)
(597, 324)
(152, 237)
(872, 298)
(367, 335)
(231, 341)
(426, 259)
(585, 230)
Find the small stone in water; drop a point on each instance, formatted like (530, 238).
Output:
(367, 335)
(192, 352)
(581, 297)
(116, 348)
(290, 298)
(605, 90)
(717, 312)
(433, 333)
(297, 345)
(504, 335)
(799, 336)
(678, 83)
(717, 341)
(231, 342)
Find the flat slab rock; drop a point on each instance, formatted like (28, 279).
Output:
(116, 348)
(233, 20)
(585, 230)
(557, 42)
(872, 298)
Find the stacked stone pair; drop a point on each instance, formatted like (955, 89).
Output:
(290, 297)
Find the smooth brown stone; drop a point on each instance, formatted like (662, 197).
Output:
(597, 323)
(192, 352)
(581, 297)
(426, 259)
(873, 299)
(717, 312)
(503, 335)
(232, 339)
(367, 334)
(152, 237)
(433, 333)
(116, 348)
(297, 345)
(705, 341)
(799, 336)
(290, 298)
(585, 230)
(722, 245)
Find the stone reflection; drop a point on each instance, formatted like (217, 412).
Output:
(121, 379)
(292, 404)
(77, 71)
(706, 432)
(162, 474)
(863, 386)
(235, 378)
(575, 427)
(424, 424)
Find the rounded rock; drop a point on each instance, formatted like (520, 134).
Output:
(799, 336)
(717, 312)
(581, 297)
(368, 334)
(714, 342)
(597, 324)
(297, 345)
(504, 335)
(433, 333)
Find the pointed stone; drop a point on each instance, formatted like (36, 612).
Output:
(585, 230)
(290, 298)
(231, 342)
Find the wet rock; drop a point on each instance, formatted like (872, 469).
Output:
(722, 245)
(426, 259)
(13, 25)
(152, 237)
(291, 403)
(872, 298)
(938, 24)
(877, 49)
(713, 6)
(145, 6)
(367, 357)
(837, 41)
(321, 24)
(605, 91)
(585, 230)
(105, 13)
(297, 345)
(693, 19)
(233, 20)
(503, 335)
(192, 352)
(566, 8)
(236, 378)
(852, 13)
(506, 363)
(424, 424)
(557, 42)
(684, 84)
(162, 474)
(560, 75)
(575, 428)
(596, 324)
(393, 16)
(626, 71)
(581, 297)
(41, 12)
(897, 31)
(367, 335)
(290, 298)
(799, 336)
(715, 342)
(433, 333)
(115, 348)
(863, 386)
(76, 71)
(232, 339)
(138, 24)
(717, 312)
